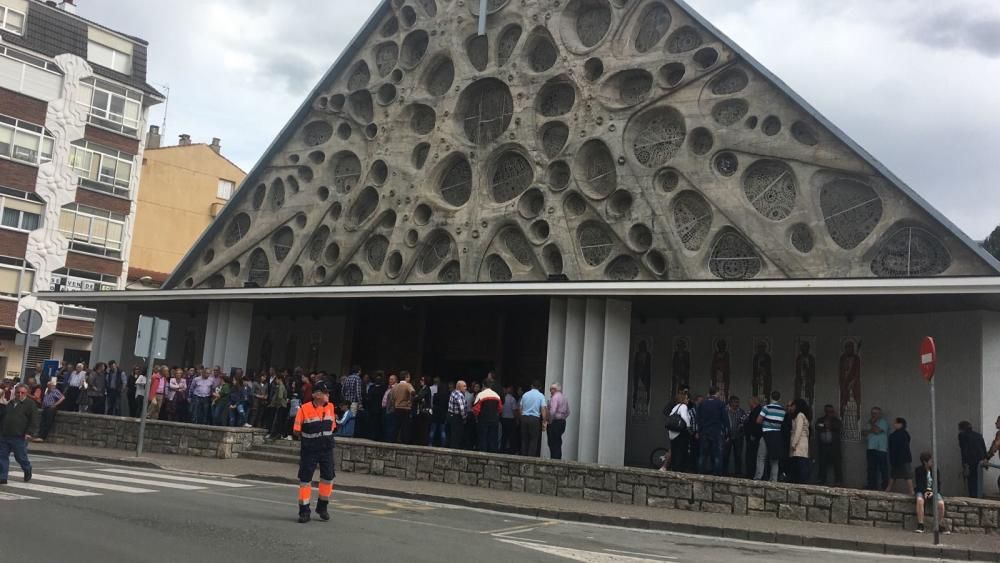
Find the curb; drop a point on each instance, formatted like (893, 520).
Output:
(779, 538)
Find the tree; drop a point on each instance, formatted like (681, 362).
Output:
(992, 243)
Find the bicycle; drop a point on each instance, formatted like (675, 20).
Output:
(657, 456)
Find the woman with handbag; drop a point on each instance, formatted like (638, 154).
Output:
(678, 430)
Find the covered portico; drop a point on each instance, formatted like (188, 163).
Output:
(615, 347)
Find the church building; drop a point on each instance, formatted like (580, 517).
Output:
(609, 194)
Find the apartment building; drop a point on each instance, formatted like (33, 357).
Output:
(183, 188)
(74, 102)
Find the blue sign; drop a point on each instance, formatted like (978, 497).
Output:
(49, 370)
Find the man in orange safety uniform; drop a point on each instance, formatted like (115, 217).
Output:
(314, 425)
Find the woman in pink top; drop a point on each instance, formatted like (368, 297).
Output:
(175, 395)
(157, 385)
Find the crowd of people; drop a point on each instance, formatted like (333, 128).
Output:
(396, 408)
(780, 440)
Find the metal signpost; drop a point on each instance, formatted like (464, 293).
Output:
(928, 363)
(482, 17)
(28, 322)
(151, 344)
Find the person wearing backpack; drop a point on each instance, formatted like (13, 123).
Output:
(678, 430)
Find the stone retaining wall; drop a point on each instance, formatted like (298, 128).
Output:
(650, 488)
(100, 431)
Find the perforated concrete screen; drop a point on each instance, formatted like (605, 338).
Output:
(595, 139)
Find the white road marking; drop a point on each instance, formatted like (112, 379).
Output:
(52, 490)
(87, 484)
(654, 555)
(171, 477)
(12, 496)
(178, 486)
(579, 554)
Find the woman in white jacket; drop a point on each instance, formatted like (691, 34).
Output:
(680, 440)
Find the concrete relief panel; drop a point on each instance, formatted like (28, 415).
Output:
(591, 139)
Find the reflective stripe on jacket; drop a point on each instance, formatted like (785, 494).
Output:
(315, 423)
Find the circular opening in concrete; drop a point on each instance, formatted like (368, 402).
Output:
(593, 69)
(422, 214)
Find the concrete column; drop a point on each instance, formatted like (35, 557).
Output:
(227, 335)
(110, 339)
(572, 373)
(589, 412)
(614, 382)
(989, 391)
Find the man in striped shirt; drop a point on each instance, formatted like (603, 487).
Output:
(770, 450)
(458, 411)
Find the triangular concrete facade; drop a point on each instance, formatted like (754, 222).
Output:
(595, 139)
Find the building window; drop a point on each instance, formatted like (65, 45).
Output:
(102, 168)
(13, 271)
(24, 141)
(110, 58)
(110, 106)
(20, 210)
(91, 230)
(226, 189)
(12, 20)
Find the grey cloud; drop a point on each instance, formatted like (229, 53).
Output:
(959, 28)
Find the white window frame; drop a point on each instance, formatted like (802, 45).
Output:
(226, 189)
(103, 116)
(19, 265)
(88, 242)
(81, 158)
(5, 20)
(20, 220)
(16, 128)
(116, 57)
(32, 60)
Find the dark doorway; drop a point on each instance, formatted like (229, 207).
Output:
(454, 338)
(73, 357)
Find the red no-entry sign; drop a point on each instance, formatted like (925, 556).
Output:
(928, 357)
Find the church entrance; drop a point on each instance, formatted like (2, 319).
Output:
(453, 339)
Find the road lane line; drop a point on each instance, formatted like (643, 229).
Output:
(640, 554)
(578, 554)
(89, 485)
(51, 490)
(171, 477)
(165, 485)
(514, 529)
(12, 496)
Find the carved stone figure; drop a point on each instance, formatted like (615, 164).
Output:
(720, 366)
(680, 365)
(761, 383)
(805, 373)
(849, 374)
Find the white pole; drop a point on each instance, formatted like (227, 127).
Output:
(934, 487)
(149, 389)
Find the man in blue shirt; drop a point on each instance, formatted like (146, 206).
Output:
(878, 451)
(534, 410)
(713, 426)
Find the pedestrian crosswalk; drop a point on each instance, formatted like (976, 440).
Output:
(93, 481)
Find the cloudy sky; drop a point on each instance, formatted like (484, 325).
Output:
(915, 82)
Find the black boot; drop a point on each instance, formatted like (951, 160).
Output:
(27, 475)
(321, 509)
(304, 514)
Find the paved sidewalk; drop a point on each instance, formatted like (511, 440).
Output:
(770, 530)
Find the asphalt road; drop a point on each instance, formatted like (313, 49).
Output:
(85, 512)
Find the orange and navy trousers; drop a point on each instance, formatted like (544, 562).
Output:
(309, 459)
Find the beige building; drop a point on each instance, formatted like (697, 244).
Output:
(183, 188)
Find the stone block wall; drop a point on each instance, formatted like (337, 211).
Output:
(645, 487)
(99, 431)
